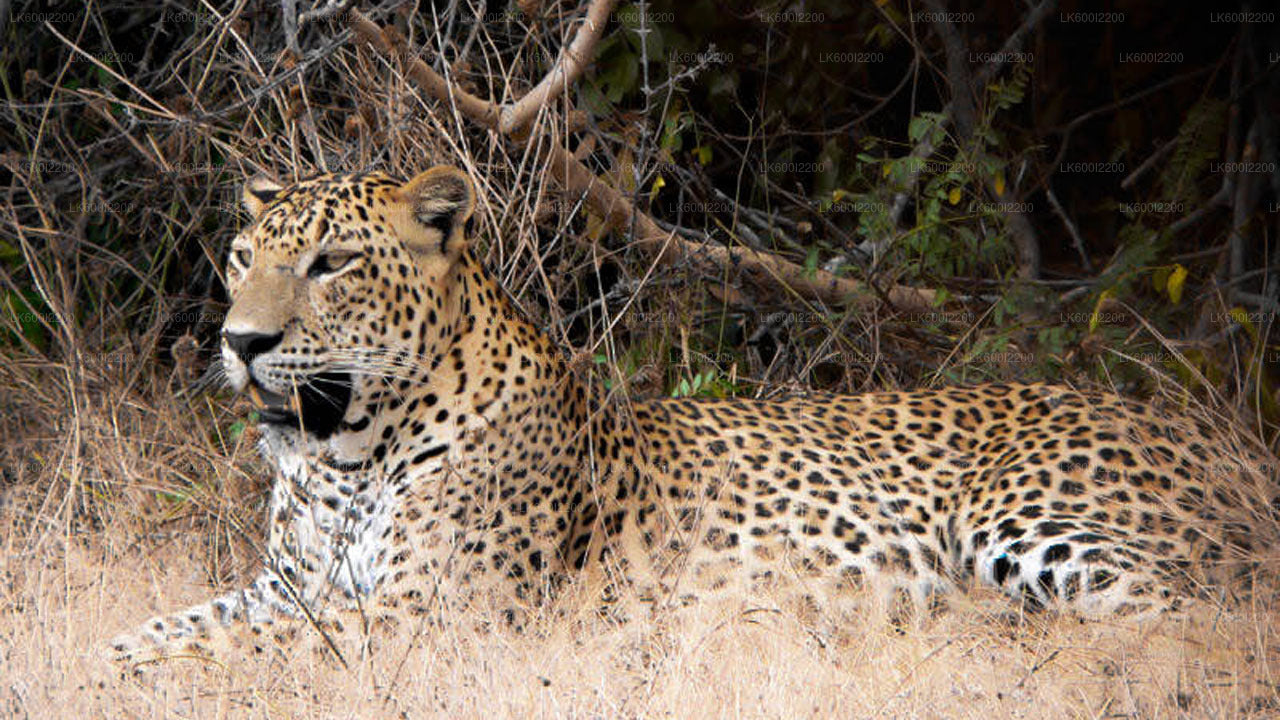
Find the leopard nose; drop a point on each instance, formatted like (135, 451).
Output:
(250, 344)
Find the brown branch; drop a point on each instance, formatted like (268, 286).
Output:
(573, 59)
(760, 268)
(289, 19)
(1012, 45)
(391, 43)
(964, 113)
(330, 9)
(621, 216)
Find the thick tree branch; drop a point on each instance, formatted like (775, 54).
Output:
(392, 44)
(755, 266)
(1012, 45)
(569, 66)
(963, 105)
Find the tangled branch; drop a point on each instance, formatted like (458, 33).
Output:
(760, 268)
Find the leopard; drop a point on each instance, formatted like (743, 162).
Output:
(434, 447)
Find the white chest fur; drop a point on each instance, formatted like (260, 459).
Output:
(330, 523)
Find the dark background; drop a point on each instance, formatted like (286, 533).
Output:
(794, 128)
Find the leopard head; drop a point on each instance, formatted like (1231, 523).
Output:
(342, 284)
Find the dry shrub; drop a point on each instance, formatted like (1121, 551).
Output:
(711, 660)
(123, 497)
(143, 506)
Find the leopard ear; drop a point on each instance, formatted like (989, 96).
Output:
(258, 194)
(441, 201)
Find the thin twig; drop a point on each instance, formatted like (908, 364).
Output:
(964, 89)
(1037, 667)
(925, 148)
(1076, 240)
(1218, 200)
(619, 213)
(1147, 164)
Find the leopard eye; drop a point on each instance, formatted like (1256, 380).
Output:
(244, 256)
(328, 263)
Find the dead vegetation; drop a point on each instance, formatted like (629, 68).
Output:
(129, 488)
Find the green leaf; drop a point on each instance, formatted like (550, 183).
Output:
(591, 98)
(811, 262)
(916, 129)
(1094, 317)
(26, 309)
(10, 256)
(1241, 317)
(1177, 279)
(1160, 278)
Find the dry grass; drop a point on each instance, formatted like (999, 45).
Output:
(119, 500)
(179, 522)
(703, 663)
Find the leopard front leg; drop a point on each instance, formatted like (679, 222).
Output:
(252, 616)
(306, 579)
